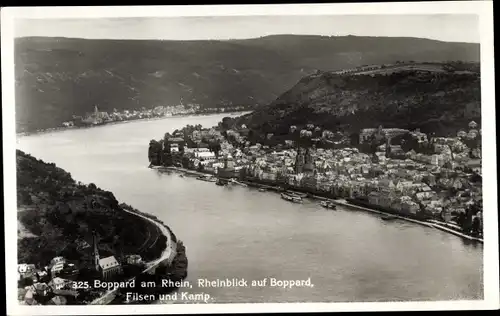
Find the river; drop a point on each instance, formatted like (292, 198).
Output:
(243, 233)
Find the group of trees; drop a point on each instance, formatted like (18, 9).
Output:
(155, 153)
(469, 221)
(59, 220)
(435, 102)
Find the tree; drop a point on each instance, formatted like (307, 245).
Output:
(354, 139)
(226, 123)
(242, 174)
(476, 226)
(154, 153)
(475, 178)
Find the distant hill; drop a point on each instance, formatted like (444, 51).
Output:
(59, 77)
(437, 98)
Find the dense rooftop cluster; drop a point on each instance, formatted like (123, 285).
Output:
(405, 171)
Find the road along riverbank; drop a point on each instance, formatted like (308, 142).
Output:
(425, 223)
(166, 256)
(432, 224)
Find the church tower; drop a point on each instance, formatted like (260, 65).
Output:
(387, 147)
(299, 161)
(308, 162)
(95, 251)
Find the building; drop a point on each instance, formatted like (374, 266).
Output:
(59, 284)
(174, 148)
(367, 133)
(410, 207)
(133, 259)
(41, 289)
(109, 266)
(228, 171)
(25, 271)
(308, 161)
(419, 136)
(205, 156)
(95, 251)
(57, 265)
(304, 161)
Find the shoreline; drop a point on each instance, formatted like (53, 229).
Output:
(166, 254)
(424, 223)
(338, 202)
(62, 128)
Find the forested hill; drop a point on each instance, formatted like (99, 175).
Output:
(437, 98)
(59, 77)
(56, 217)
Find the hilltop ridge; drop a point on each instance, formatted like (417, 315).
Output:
(437, 100)
(57, 78)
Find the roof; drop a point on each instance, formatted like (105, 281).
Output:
(58, 300)
(205, 154)
(40, 286)
(134, 256)
(175, 139)
(58, 266)
(58, 280)
(108, 262)
(58, 259)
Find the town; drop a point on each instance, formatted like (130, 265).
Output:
(65, 281)
(102, 117)
(404, 172)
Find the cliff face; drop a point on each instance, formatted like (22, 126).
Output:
(56, 217)
(438, 101)
(60, 77)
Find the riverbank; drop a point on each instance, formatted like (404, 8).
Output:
(167, 255)
(63, 128)
(62, 215)
(253, 183)
(424, 223)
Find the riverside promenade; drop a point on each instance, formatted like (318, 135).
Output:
(432, 224)
(167, 256)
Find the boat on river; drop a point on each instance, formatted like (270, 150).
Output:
(238, 183)
(208, 178)
(328, 204)
(262, 190)
(388, 217)
(291, 197)
(221, 182)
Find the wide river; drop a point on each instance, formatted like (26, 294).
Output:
(243, 233)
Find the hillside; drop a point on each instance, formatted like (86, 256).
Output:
(440, 100)
(60, 77)
(56, 217)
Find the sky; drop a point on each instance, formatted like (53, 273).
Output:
(444, 27)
